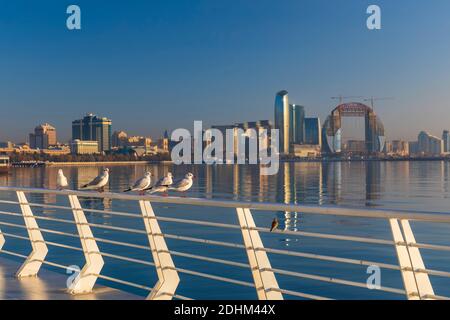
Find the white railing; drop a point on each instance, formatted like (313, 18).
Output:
(410, 265)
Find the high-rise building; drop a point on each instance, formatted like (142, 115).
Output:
(297, 123)
(430, 145)
(313, 131)
(119, 139)
(446, 139)
(282, 121)
(44, 136)
(93, 128)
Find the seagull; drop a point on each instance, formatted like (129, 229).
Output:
(183, 185)
(274, 225)
(141, 184)
(61, 180)
(99, 182)
(162, 184)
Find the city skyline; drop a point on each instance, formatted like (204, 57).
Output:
(142, 64)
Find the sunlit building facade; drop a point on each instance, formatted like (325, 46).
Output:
(282, 121)
(44, 136)
(93, 128)
(84, 147)
(430, 145)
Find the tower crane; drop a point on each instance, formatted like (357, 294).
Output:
(373, 99)
(341, 98)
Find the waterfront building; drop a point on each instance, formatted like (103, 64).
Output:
(374, 128)
(400, 148)
(44, 136)
(259, 127)
(119, 139)
(78, 146)
(313, 131)
(446, 140)
(413, 147)
(282, 121)
(355, 146)
(306, 150)
(93, 128)
(430, 145)
(57, 151)
(6, 147)
(297, 123)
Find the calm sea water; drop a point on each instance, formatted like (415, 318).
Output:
(403, 185)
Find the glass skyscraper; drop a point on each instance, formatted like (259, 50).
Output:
(446, 138)
(93, 128)
(282, 120)
(313, 133)
(297, 123)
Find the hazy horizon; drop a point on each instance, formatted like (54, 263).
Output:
(156, 65)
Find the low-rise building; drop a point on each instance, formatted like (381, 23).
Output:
(397, 148)
(84, 147)
(307, 150)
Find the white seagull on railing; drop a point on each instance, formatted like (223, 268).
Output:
(99, 182)
(61, 180)
(141, 184)
(183, 185)
(162, 184)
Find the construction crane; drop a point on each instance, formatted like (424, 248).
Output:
(341, 98)
(373, 99)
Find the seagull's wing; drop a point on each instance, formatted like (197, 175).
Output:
(164, 181)
(96, 181)
(181, 184)
(141, 183)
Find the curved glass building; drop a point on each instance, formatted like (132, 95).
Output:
(282, 120)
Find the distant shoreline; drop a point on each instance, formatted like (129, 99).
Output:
(103, 163)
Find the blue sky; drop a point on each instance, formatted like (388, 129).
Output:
(151, 65)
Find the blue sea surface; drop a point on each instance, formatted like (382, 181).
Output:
(420, 185)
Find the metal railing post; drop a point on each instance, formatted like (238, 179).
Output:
(422, 280)
(85, 280)
(264, 279)
(168, 278)
(33, 263)
(2, 239)
(404, 260)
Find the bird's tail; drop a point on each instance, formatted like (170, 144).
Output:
(128, 190)
(84, 186)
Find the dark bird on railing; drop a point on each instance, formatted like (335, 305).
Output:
(141, 184)
(99, 182)
(61, 180)
(274, 225)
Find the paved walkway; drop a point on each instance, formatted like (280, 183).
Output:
(48, 286)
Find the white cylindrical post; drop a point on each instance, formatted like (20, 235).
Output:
(85, 280)
(34, 261)
(264, 279)
(168, 278)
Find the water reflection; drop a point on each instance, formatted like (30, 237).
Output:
(348, 183)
